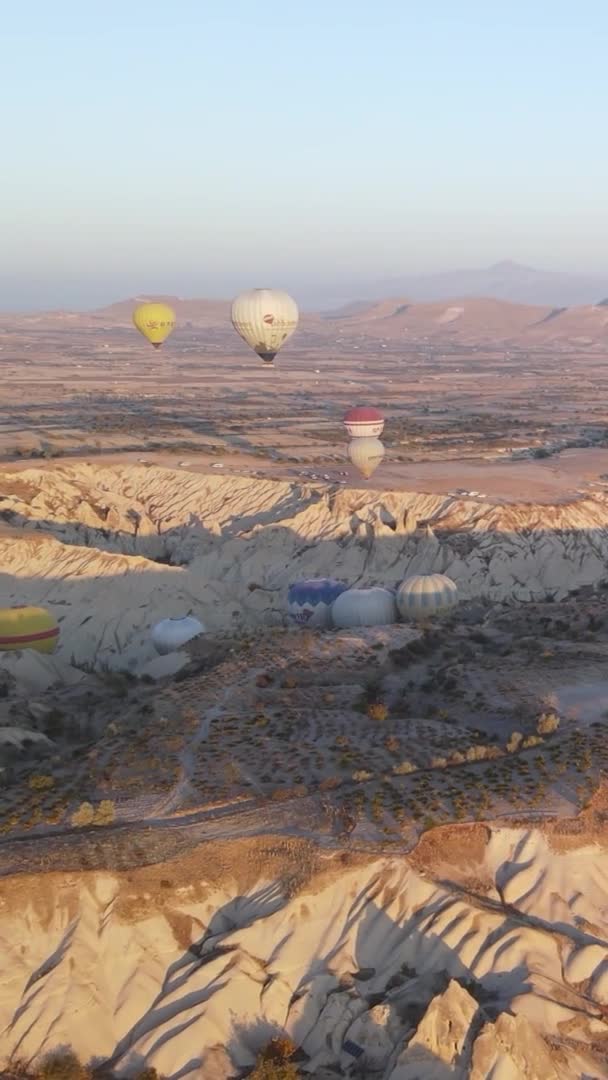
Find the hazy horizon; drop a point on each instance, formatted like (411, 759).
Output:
(173, 150)
(80, 295)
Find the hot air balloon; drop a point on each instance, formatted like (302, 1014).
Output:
(363, 421)
(366, 455)
(265, 319)
(364, 607)
(170, 634)
(155, 322)
(28, 628)
(426, 594)
(309, 602)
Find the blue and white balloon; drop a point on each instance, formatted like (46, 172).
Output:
(309, 602)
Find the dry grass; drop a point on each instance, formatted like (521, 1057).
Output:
(274, 1061)
(463, 846)
(65, 1066)
(58, 1065)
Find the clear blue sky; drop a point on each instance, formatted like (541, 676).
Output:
(196, 147)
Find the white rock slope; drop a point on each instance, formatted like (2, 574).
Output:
(426, 979)
(88, 542)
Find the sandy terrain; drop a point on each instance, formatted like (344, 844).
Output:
(563, 478)
(388, 843)
(460, 414)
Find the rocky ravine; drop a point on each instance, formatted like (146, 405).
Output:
(115, 549)
(483, 955)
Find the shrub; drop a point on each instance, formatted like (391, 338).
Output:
(548, 723)
(275, 1070)
(40, 783)
(61, 1065)
(515, 741)
(377, 711)
(84, 815)
(362, 774)
(404, 768)
(439, 762)
(456, 758)
(531, 740)
(274, 1061)
(17, 1070)
(494, 752)
(104, 813)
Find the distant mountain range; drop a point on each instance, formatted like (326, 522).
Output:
(503, 281)
(467, 320)
(471, 320)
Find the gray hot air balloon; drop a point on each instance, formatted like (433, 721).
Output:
(364, 607)
(426, 594)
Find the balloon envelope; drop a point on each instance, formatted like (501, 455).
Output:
(426, 594)
(309, 602)
(265, 319)
(364, 607)
(155, 322)
(28, 628)
(366, 455)
(170, 634)
(364, 421)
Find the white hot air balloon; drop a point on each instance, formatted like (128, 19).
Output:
(265, 319)
(170, 634)
(364, 607)
(426, 594)
(366, 455)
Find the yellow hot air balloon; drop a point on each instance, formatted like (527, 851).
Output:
(265, 319)
(28, 628)
(366, 455)
(155, 322)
